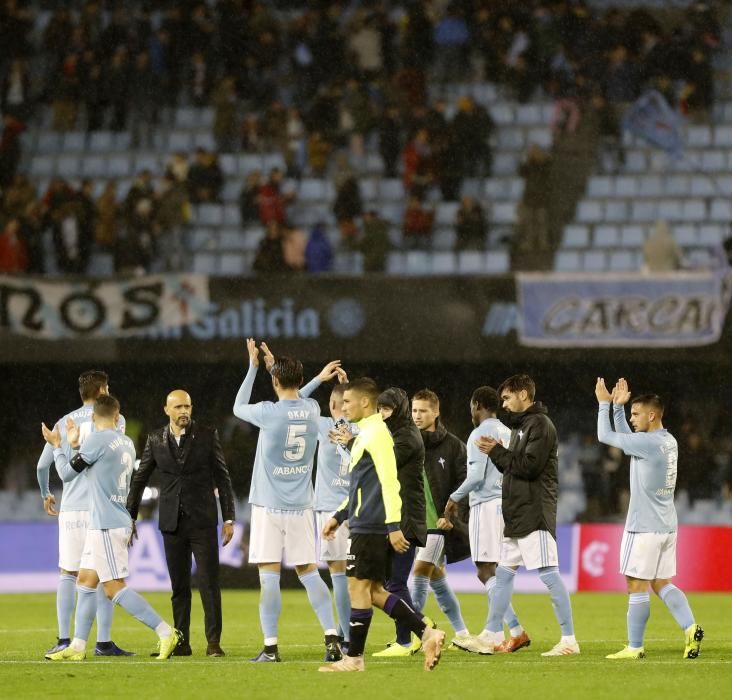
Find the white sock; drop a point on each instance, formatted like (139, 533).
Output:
(78, 644)
(495, 637)
(516, 631)
(163, 630)
(569, 639)
(462, 633)
(270, 641)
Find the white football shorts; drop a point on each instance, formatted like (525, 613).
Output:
(485, 529)
(72, 529)
(433, 551)
(648, 555)
(535, 551)
(337, 548)
(105, 552)
(282, 536)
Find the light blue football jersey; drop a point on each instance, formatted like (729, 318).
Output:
(111, 459)
(332, 477)
(653, 468)
(483, 482)
(75, 493)
(288, 436)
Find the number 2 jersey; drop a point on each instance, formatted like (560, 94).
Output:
(288, 436)
(110, 457)
(653, 467)
(75, 494)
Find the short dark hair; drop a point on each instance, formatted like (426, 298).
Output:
(486, 397)
(288, 372)
(91, 383)
(106, 406)
(652, 400)
(364, 386)
(338, 390)
(518, 382)
(427, 395)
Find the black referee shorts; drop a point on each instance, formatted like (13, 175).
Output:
(369, 557)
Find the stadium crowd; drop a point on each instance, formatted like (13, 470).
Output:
(324, 87)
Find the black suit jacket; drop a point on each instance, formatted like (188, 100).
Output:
(188, 480)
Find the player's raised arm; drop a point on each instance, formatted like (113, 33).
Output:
(328, 372)
(242, 408)
(621, 396)
(636, 444)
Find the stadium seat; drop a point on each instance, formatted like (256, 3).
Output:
(497, 262)
(567, 261)
(122, 141)
(180, 141)
(594, 261)
(146, 161)
(649, 186)
(369, 190)
(606, 236)
(249, 162)
(227, 163)
(515, 188)
(273, 160)
(232, 216)
(644, 211)
(720, 210)
(49, 142)
(616, 211)
(635, 162)
(677, 185)
(503, 213)
(393, 213)
(626, 186)
(311, 190)
(417, 262)
(576, 236)
(444, 263)
(395, 263)
(42, 166)
(101, 265)
(119, 166)
(623, 261)
(541, 136)
(446, 213)
(232, 264)
(589, 212)
(444, 238)
(723, 136)
(210, 215)
(670, 210)
(204, 263)
(701, 186)
(685, 235)
(632, 236)
(529, 115)
(391, 189)
(510, 139)
(505, 163)
(252, 236)
(186, 118)
(231, 239)
(203, 239)
(693, 210)
(206, 116)
(502, 113)
(74, 141)
(711, 234)
(204, 139)
(101, 141)
(699, 136)
(231, 190)
(67, 166)
(600, 187)
(699, 258)
(93, 166)
(713, 162)
(471, 262)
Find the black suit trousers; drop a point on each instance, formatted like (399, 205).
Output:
(203, 544)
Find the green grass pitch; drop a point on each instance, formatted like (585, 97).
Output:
(27, 628)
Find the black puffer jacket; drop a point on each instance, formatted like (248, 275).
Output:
(530, 476)
(409, 453)
(445, 466)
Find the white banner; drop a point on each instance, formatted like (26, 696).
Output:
(56, 310)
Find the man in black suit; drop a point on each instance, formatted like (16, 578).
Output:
(191, 466)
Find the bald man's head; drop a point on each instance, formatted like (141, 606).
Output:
(178, 408)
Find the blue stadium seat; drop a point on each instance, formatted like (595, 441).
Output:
(180, 141)
(693, 210)
(541, 136)
(632, 236)
(510, 139)
(119, 165)
(589, 212)
(49, 142)
(711, 234)
(227, 163)
(444, 238)
(311, 190)
(395, 263)
(232, 264)
(93, 166)
(497, 262)
(594, 261)
(701, 186)
(515, 188)
(186, 117)
(650, 186)
(146, 161)
(626, 186)
(721, 210)
(252, 236)
(503, 213)
(273, 160)
(723, 136)
(616, 211)
(671, 210)
(699, 136)
(369, 190)
(644, 211)
(231, 190)
(67, 166)
(101, 265)
(74, 141)
(529, 115)
(249, 162)
(606, 236)
(567, 261)
(231, 239)
(202, 239)
(446, 213)
(232, 216)
(391, 189)
(444, 263)
(204, 139)
(576, 236)
(417, 262)
(713, 162)
(502, 113)
(623, 261)
(685, 234)
(101, 141)
(677, 185)
(600, 187)
(471, 262)
(506, 163)
(210, 215)
(204, 263)
(42, 166)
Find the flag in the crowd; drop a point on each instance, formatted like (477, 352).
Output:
(651, 118)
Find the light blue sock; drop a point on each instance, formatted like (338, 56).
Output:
(639, 610)
(678, 605)
(138, 607)
(342, 602)
(448, 603)
(86, 608)
(105, 612)
(319, 597)
(65, 601)
(510, 617)
(270, 603)
(500, 598)
(560, 598)
(419, 590)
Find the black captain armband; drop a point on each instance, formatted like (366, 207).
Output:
(78, 464)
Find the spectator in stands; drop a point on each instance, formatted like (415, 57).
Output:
(135, 248)
(622, 79)
(531, 244)
(347, 207)
(71, 238)
(419, 166)
(470, 225)
(295, 154)
(199, 78)
(205, 178)
(472, 128)
(417, 42)
(117, 78)
(248, 207)
(366, 45)
(226, 119)
(170, 211)
(318, 251)
(271, 201)
(15, 90)
(294, 244)
(390, 140)
(698, 92)
(451, 40)
(374, 242)
(178, 167)
(66, 94)
(143, 103)
(417, 226)
(318, 154)
(94, 90)
(270, 255)
(87, 210)
(10, 149)
(275, 127)
(661, 252)
(18, 196)
(108, 213)
(141, 189)
(31, 225)
(13, 252)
